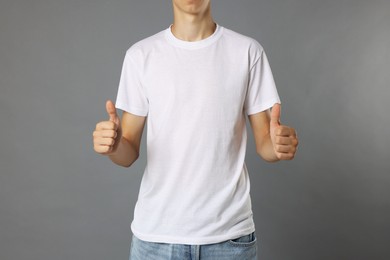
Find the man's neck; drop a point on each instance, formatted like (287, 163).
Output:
(190, 27)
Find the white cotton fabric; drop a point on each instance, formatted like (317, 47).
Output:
(196, 95)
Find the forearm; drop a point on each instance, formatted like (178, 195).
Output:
(125, 155)
(266, 150)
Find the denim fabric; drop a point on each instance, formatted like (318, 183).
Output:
(242, 248)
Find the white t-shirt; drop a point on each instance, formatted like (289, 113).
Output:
(196, 95)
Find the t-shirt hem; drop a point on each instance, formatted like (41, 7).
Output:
(193, 240)
(262, 107)
(133, 110)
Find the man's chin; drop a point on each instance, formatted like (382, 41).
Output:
(191, 7)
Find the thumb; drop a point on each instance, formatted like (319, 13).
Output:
(111, 111)
(275, 115)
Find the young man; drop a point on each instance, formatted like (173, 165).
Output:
(194, 82)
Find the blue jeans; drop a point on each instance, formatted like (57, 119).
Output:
(242, 248)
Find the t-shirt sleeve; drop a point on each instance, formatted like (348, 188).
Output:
(261, 93)
(131, 96)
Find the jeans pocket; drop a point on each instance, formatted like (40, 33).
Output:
(244, 241)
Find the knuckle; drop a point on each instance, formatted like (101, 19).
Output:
(98, 148)
(110, 149)
(95, 140)
(112, 125)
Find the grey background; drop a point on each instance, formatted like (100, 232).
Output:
(60, 61)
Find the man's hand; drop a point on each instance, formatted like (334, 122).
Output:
(107, 134)
(284, 138)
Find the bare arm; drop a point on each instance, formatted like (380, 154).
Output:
(274, 141)
(119, 139)
(260, 123)
(129, 144)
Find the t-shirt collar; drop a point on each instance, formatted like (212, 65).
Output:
(195, 44)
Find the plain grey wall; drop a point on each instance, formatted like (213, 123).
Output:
(60, 61)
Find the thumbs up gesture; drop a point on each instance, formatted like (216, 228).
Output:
(284, 138)
(108, 133)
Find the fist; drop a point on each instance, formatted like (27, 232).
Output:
(284, 138)
(107, 134)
